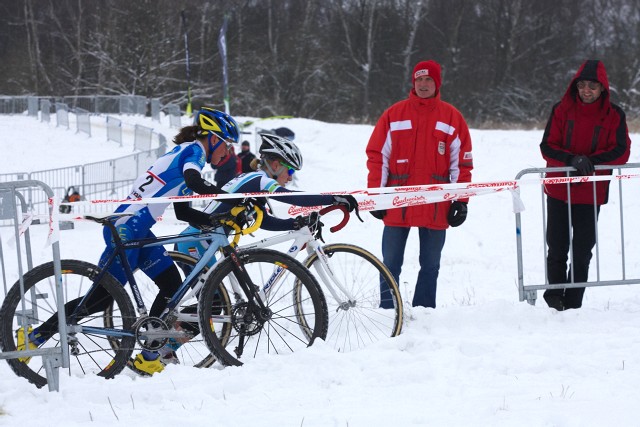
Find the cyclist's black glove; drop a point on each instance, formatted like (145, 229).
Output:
(312, 221)
(349, 202)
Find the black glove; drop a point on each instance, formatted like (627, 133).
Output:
(347, 201)
(583, 164)
(378, 214)
(312, 221)
(457, 213)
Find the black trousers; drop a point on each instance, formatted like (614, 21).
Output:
(583, 224)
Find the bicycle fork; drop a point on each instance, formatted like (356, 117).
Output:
(250, 316)
(328, 277)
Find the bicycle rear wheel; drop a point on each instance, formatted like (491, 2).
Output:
(98, 354)
(376, 311)
(279, 330)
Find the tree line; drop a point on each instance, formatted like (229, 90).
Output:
(505, 62)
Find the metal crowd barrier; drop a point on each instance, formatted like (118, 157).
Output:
(83, 121)
(621, 273)
(13, 203)
(62, 115)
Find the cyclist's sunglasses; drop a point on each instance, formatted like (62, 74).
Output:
(222, 141)
(290, 170)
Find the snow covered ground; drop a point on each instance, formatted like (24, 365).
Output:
(482, 358)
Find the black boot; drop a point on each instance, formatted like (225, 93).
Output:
(555, 298)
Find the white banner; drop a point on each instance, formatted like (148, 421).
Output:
(384, 197)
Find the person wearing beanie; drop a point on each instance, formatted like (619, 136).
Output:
(420, 140)
(585, 129)
(245, 156)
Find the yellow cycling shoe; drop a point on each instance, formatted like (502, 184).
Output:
(147, 367)
(20, 335)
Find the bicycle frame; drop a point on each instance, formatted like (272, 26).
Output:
(119, 251)
(303, 238)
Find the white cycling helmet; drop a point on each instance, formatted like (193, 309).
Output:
(274, 145)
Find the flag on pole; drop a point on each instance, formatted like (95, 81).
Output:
(222, 47)
(186, 48)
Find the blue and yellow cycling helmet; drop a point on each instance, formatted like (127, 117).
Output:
(213, 122)
(210, 121)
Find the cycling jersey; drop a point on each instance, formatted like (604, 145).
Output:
(252, 182)
(164, 178)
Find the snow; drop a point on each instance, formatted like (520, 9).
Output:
(481, 358)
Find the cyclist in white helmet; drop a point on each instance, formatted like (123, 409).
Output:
(279, 160)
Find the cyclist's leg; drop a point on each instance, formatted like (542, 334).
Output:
(93, 352)
(97, 302)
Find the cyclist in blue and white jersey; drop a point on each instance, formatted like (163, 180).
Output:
(279, 159)
(177, 173)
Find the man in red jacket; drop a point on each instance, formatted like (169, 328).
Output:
(420, 140)
(585, 129)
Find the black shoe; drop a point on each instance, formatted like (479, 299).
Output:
(555, 301)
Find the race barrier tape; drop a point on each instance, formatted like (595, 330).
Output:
(369, 199)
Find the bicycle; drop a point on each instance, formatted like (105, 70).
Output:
(364, 303)
(102, 341)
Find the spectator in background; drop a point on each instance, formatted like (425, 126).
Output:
(284, 133)
(585, 129)
(227, 168)
(420, 140)
(245, 156)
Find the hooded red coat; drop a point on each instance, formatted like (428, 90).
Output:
(419, 141)
(597, 130)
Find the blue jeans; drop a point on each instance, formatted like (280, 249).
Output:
(394, 242)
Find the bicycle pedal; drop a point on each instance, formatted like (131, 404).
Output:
(131, 366)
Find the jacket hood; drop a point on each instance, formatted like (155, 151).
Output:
(591, 69)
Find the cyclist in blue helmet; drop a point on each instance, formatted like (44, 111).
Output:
(280, 159)
(177, 173)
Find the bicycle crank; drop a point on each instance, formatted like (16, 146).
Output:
(151, 332)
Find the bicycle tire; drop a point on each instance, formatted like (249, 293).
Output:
(353, 326)
(280, 333)
(106, 357)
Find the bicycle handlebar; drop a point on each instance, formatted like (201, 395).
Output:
(239, 231)
(345, 217)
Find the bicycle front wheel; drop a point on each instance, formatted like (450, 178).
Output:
(370, 309)
(94, 353)
(275, 330)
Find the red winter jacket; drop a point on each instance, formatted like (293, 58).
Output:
(419, 141)
(598, 130)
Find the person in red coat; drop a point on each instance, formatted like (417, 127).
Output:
(585, 129)
(420, 140)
